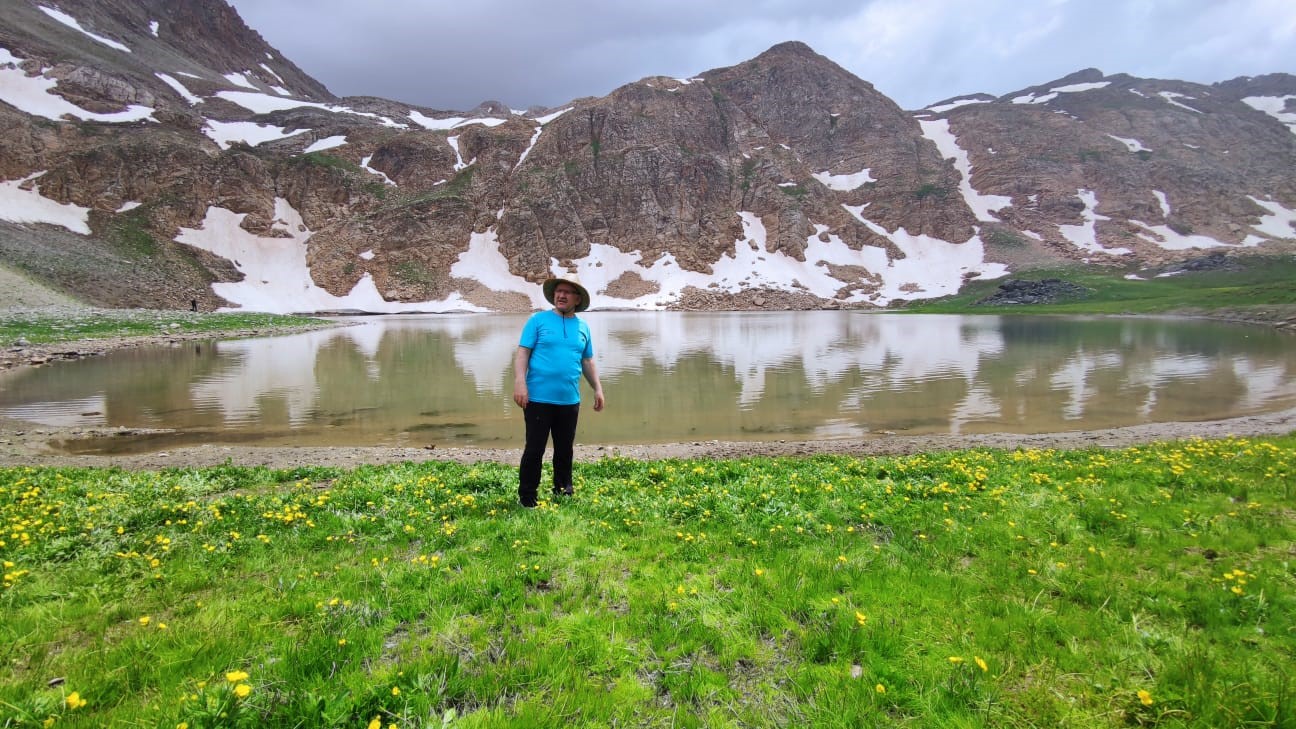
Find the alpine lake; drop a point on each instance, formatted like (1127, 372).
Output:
(429, 380)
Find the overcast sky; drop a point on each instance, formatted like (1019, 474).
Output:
(452, 55)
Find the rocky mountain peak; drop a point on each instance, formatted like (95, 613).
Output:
(159, 151)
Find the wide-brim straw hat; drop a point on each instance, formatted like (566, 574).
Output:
(552, 284)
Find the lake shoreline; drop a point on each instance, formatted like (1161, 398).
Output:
(25, 443)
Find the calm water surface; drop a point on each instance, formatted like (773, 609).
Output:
(447, 380)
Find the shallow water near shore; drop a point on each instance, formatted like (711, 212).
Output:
(446, 381)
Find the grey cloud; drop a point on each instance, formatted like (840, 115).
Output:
(523, 53)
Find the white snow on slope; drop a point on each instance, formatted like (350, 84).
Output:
(1163, 201)
(1279, 223)
(226, 133)
(239, 79)
(982, 205)
(484, 262)
(1165, 237)
(326, 143)
(1085, 235)
(535, 137)
(179, 89)
(1132, 145)
(552, 115)
(1172, 97)
(459, 162)
(259, 103)
(31, 94)
(1274, 106)
(845, 183)
(956, 104)
(931, 267)
(29, 206)
(431, 124)
(276, 277)
(364, 165)
(1053, 92)
(271, 71)
(72, 23)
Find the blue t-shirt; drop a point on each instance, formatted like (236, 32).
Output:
(558, 344)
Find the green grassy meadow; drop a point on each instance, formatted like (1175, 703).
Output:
(1259, 287)
(1147, 586)
(51, 328)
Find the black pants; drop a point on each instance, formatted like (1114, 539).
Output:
(543, 420)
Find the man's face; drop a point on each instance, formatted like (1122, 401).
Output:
(566, 298)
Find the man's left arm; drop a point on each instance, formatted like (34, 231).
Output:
(590, 370)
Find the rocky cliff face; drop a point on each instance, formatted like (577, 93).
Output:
(160, 151)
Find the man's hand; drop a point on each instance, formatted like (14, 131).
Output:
(521, 363)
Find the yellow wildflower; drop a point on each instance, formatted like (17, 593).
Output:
(236, 676)
(1145, 697)
(242, 690)
(74, 700)
(880, 688)
(981, 663)
(376, 723)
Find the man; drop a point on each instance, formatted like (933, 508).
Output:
(555, 349)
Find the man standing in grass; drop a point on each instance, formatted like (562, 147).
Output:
(555, 349)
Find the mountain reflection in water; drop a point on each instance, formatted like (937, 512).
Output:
(672, 376)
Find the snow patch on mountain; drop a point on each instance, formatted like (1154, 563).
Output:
(931, 267)
(845, 183)
(276, 277)
(982, 205)
(326, 143)
(942, 108)
(1053, 92)
(1085, 235)
(74, 24)
(29, 206)
(1279, 223)
(364, 165)
(1274, 106)
(1132, 145)
(226, 133)
(179, 88)
(31, 94)
(434, 125)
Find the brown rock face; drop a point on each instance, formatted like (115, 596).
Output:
(660, 170)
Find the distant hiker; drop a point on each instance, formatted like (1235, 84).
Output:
(555, 349)
(193, 304)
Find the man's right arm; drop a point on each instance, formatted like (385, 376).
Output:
(521, 364)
